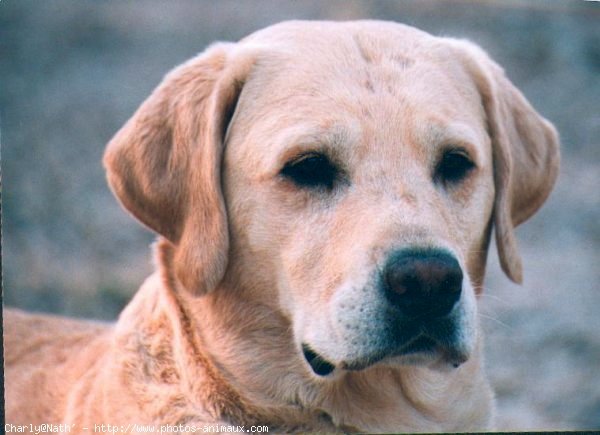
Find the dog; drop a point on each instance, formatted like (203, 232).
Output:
(324, 195)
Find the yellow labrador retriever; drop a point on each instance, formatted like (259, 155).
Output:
(325, 195)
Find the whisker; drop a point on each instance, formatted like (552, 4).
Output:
(500, 322)
(486, 295)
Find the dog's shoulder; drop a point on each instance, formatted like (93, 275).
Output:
(43, 356)
(42, 336)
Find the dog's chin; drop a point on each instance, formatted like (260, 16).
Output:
(421, 351)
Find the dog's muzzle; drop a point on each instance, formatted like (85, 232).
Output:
(420, 290)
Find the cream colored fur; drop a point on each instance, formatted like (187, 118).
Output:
(250, 266)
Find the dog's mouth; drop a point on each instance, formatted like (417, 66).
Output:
(420, 350)
(318, 364)
(422, 345)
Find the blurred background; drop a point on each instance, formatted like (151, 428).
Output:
(72, 72)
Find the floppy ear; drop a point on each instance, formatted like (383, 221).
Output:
(164, 163)
(525, 152)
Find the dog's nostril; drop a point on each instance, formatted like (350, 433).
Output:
(423, 282)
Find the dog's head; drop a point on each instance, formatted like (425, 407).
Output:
(347, 175)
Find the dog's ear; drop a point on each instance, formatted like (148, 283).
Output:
(525, 150)
(164, 164)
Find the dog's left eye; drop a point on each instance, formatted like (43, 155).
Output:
(312, 170)
(453, 167)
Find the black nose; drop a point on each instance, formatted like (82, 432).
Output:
(422, 283)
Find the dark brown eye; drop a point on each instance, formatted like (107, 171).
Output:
(313, 170)
(454, 167)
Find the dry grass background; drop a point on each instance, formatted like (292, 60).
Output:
(72, 72)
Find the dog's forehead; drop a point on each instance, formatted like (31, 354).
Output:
(345, 82)
(300, 34)
(322, 49)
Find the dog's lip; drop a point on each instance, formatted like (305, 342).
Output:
(425, 342)
(319, 365)
(421, 344)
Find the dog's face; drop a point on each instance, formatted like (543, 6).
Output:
(362, 167)
(360, 193)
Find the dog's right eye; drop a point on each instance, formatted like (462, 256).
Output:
(312, 170)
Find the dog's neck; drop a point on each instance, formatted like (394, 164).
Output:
(237, 360)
